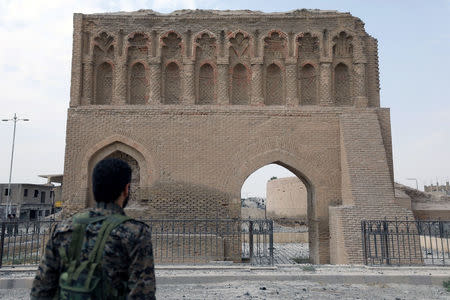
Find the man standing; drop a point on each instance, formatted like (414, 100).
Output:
(100, 253)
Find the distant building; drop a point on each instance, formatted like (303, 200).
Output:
(429, 205)
(32, 201)
(438, 190)
(51, 180)
(28, 201)
(253, 202)
(287, 198)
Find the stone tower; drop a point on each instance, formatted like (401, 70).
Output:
(196, 101)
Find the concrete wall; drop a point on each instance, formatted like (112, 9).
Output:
(432, 210)
(287, 198)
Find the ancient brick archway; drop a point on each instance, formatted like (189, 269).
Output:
(277, 94)
(128, 154)
(317, 246)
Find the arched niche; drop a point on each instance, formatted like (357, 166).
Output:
(308, 85)
(138, 84)
(172, 84)
(240, 85)
(206, 84)
(132, 156)
(342, 95)
(274, 85)
(343, 45)
(104, 84)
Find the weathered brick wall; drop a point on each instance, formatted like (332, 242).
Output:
(286, 198)
(369, 185)
(196, 151)
(432, 214)
(299, 89)
(268, 47)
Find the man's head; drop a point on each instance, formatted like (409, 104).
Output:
(111, 181)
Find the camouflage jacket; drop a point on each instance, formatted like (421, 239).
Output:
(127, 258)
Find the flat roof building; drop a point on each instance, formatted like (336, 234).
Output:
(28, 201)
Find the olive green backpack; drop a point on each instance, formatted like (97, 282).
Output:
(83, 281)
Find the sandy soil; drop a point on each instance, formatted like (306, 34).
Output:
(300, 290)
(281, 290)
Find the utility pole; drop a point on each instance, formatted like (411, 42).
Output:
(8, 200)
(417, 182)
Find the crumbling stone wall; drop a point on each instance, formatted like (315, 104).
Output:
(202, 99)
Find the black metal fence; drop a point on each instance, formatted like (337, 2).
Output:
(406, 242)
(174, 241)
(257, 241)
(21, 243)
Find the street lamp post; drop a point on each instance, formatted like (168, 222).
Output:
(8, 200)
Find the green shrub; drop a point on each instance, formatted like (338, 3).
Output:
(301, 260)
(309, 268)
(446, 285)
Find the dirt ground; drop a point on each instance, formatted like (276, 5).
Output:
(300, 290)
(281, 290)
(282, 282)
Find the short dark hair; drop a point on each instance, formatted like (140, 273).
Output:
(109, 179)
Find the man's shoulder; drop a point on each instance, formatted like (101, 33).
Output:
(132, 229)
(68, 223)
(64, 225)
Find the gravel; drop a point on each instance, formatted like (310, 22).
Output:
(299, 290)
(282, 290)
(268, 283)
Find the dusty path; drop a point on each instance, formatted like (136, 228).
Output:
(300, 290)
(281, 282)
(281, 290)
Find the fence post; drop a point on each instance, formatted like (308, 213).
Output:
(386, 241)
(250, 239)
(271, 241)
(364, 237)
(2, 243)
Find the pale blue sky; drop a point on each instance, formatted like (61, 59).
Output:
(414, 47)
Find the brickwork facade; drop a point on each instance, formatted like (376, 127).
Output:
(199, 100)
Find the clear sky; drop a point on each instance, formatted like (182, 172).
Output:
(414, 47)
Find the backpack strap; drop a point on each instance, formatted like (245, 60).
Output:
(113, 221)
(110, 222)
(72, 258)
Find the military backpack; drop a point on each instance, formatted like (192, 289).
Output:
(86, 280)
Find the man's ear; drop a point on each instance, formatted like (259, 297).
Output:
(126, 191)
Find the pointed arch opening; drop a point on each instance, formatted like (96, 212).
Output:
(282, 194)
(308, 85)
(135, 174)
(128, 154)
(274, 85)
(172, 91)
(342, 85)
(138, 84)
(343, 46)
(206, 84)
(104, 84)
(240, 85)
